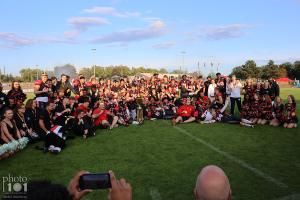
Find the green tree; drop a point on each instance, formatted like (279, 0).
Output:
(248, 70)
(297, 70)
(270, 70)
(239, 72)
(28, 74)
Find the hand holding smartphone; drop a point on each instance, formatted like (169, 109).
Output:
(95, 181)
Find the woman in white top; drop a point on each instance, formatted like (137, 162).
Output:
(211, 90)
(235, 94)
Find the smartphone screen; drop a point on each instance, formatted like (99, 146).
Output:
(95, 181)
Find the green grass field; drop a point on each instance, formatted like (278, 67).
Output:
(162, 162)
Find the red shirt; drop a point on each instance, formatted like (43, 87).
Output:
(101, 117)
(186, 110)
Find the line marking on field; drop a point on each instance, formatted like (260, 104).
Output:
(154, 193)
(234, 159)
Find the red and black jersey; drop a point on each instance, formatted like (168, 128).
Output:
(249, 90)
(203, 102)
(255, 109)
(266, 110)
(246, 111)
(279, 112)
(291, 113)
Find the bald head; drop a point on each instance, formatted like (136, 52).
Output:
(212, 184)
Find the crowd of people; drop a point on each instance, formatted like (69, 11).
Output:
(79, 106)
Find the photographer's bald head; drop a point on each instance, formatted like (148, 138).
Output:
(212, 184)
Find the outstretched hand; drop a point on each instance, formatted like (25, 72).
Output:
(120, 189)
(74, 189)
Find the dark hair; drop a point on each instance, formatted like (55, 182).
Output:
(49, 102)
(29, 103)
(19, 106)
(12, 85)
(6, 109)
(46, 190)
(293, 98)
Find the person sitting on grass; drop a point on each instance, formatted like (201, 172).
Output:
(31, 115)
(82, 126)
(278, 113)
(291, 118)
(212, 184)
(19, 117)
(104, 118)
(185, 113)
(9, 130)
(168, 108)
(45, 118)
(265, 110)
(62, 111)
(54, 139)
(254, 109)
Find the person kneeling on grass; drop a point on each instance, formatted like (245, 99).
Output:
(291, 117)
(185, 113)
(44, 189)
(278, 112)
(104, 118)
(212, 183)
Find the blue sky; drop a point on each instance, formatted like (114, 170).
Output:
(147, 33)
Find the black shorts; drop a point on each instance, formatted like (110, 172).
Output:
(184, 118)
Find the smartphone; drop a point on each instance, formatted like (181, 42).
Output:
(95, 181)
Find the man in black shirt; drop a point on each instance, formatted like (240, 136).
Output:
(45, 118)
(206, 84)
(275, 90)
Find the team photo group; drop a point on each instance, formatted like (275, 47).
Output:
(63, 107)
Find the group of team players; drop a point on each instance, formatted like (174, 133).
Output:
(103, 103)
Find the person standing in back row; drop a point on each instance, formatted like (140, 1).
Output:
(235, 94)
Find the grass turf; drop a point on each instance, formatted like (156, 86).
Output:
(162, 163)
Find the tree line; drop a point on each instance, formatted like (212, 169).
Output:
(29, 74)
(251, 70)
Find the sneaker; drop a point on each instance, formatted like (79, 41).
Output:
(135, 122)
(56, 150)
(51, 147)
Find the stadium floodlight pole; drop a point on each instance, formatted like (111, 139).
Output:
(37, 72)
(183, 53)
(94, 50)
